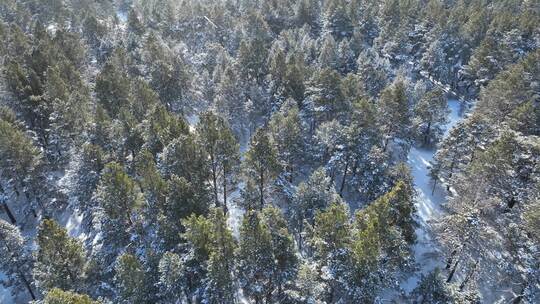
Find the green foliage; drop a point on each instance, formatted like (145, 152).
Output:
(255, 264)
(161, 127)
(15, 260)
(60, 259)
(220, 285)
(286, 131)
(261, 163)
(130, 279)
(431, 114)
(113, 87)
(394, 116)
(331, 231)
(311, 196)
(19, 158)
(119, 198)
(220, 144)
(171, 280)
(181, 201)
(58, 296)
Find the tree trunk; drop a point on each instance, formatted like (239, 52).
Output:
(300, 239)
(450, 259)
(225, 209)
(434, 185)
(468, 277)
(451, 275)
(385, 145)
(291, 172)
(28, 287)
(9, 213)
(426, 134)
(261, 188)
(214, 180)
(21, 275)
(344, 176)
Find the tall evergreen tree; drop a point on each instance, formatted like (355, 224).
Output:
(130, 279)
(431, 114)
(220, 144)
(60, 259)
(118, 199)
(286, 128)
(283, 250)
(394, 116)
(311, 196)
(220, 282)
(16, 261)
(255, 261)
(261, 164)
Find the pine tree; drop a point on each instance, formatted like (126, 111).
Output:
(172, 284)
(330, 240)
(283, 250)
(91, 161)
(313, 195)
(294, 79)
(58, 296)
(372, 71)
(311, 287)
(170, 79)
(221, 146)
(365, 250)
(394, 116)
(326, 95)
(15, 260)
(118, 199)
(261, 164)
(181, 201)
(198, 236)
(130, 279)
(392, 217)
(431, 114)
(20, 163)
(328, 57)
(255, 261)
(60, 259)
(346, 57)
(150, 181)
(184, 156)
(220, 282)
(307, 12)
(161, 127)
(277, 66)
(231, 97)
(286, 128)
(431, 289)
(113, 87)
(337, 20)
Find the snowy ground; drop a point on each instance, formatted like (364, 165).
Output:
(428, 203)
(5, 293)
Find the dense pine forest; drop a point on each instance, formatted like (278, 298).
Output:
(269, 151)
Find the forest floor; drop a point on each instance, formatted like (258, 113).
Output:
(428, 204)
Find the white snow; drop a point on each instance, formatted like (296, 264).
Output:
(236, 213)
(428, 203)
(122, 16)
(5, 293)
